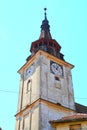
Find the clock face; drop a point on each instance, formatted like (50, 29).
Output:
(30, 70)
(56, 69)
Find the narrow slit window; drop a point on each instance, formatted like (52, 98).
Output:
(57, 83)
(57, 79)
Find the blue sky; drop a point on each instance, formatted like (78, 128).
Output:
(20, 22)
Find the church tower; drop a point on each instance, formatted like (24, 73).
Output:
(46, 91)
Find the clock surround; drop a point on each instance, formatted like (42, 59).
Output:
(56, 69)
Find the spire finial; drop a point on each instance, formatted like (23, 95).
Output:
(45, 27)
(45, 9)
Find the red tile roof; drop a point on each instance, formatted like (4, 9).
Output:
(74, 117)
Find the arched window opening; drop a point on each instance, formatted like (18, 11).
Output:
(28, 86)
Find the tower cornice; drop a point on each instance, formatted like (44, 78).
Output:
(49, 56)
(48, 103)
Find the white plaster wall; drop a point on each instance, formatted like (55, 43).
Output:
(49, 113)
(29, 120)
(20, 95)
(43, 85)
(64, 95)
(68, 88)
(17, 124)
(29, 97)
(35, 119)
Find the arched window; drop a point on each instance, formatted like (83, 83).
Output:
(57, 82)
(28, 86)
(28, 92)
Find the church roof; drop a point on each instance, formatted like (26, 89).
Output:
(74, 117)
(80, 108)
(80, 115)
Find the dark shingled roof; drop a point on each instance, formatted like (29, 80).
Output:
(80, 108)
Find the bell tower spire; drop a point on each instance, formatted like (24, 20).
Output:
(45, 27)
(45, 41)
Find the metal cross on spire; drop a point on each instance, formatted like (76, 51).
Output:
(45, 9)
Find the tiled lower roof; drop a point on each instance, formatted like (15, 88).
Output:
(80, 115)
(74, 117)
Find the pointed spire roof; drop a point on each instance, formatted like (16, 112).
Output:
(45, 41)
(45, 27)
